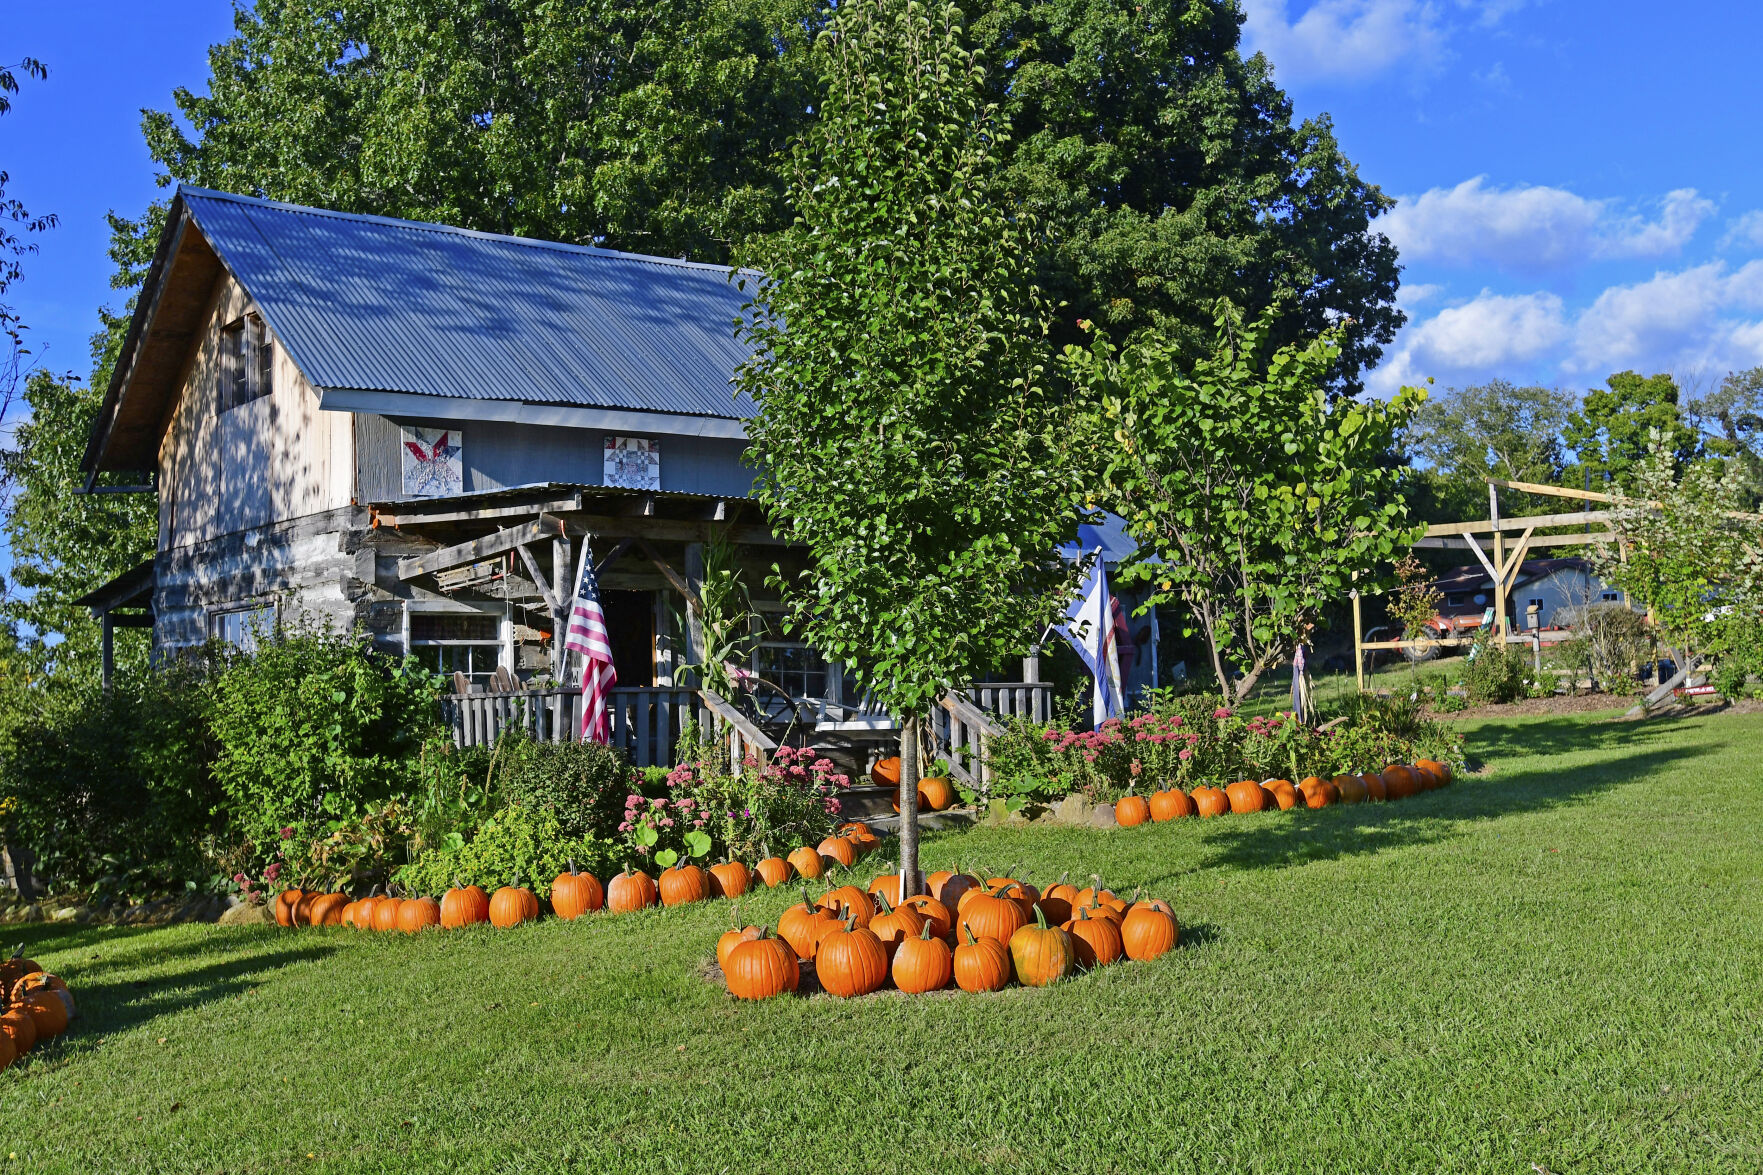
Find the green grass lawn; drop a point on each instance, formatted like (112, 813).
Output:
(1556, 965)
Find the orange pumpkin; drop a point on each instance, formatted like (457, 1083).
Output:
(629, 891)
(1375, 790)
(993, 916)
(683, 883)
(1148, 932)
(420, 914)
(1096, 940)
(935, 794)
(850, 961)
(799, 926)
(1245, 795)
(466, 906)
(952, 888)
(922, 964)
(1400, 781)
(574, 894)
(894, 925)
(285, 904)
(848, 900)
(942, 921)
(774, 871)
(854, 826)
(385, 914)
(1350, 788)
(838, 851)
(981, 964)
(730, 879)
(1210, 802)
(1285, 796)
(327, 909)
(1442, 770)
(807, 863)
(510, 906)
(17, 1025)
(1131, 811)
(733, 938)
(1172, 804)
(886, 772)
(1041, 954)
(761, 968)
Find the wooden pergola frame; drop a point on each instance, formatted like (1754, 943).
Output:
(1501, 564)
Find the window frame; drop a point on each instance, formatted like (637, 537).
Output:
(246, 370)
(219, 615)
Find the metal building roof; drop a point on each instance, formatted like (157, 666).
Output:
(368, 303)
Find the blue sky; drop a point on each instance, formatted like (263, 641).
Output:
(1580, 182)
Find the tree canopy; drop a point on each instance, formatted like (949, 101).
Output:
(1167, 167)
(1614, 427)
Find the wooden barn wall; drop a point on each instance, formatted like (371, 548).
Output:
(498, 454)
(275, 458)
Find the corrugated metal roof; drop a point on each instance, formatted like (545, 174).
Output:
(375, 304)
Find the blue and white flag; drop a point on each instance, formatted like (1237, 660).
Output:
(1089, 626)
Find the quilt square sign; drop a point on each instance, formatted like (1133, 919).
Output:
(434, 463)
(633, 463)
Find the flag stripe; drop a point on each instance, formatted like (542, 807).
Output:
(586, 634)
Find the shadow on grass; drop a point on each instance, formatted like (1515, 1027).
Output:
(1501, 739)
(1345, 831)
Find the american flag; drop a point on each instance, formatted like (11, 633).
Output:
(586, 634)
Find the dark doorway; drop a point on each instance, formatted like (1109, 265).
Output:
(630, 626)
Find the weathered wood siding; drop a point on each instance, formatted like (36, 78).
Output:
(270, 460)
(499, 454)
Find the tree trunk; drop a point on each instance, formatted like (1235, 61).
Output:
(908, 807)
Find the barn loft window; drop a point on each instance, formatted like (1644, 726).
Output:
(247, 362)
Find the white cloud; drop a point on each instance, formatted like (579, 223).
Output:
(1746, 230)
(1536, 229)
(1344, 40)
(1491, 332)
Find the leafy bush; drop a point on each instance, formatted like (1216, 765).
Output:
(1738, 653)
(1494, 673)
(352, 853)
(584, 783)
(314, 728)
(517, 842)
(775, 806)
(111, 790)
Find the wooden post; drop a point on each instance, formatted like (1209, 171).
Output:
(107, 654)
(908, 807)
(1358, 642)
(564, 592)
(1499, 567)
(1031, 664)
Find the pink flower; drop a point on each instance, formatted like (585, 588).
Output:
(1221, 712)
(273, 872)
(625, 827)
(667, 822)
(1184, 755)
(288, 833)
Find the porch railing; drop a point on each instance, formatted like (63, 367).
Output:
(1032, 700)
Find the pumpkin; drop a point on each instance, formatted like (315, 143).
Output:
(855, 826)
(1319, 793)
(630, 891)
(981, 964)
(1442, 770)
(1350, 788)
(574, 894)
(1400, 781)
(1026, 893)
(1058, 909)
(285, 902)
(1172, 804)
(922, 964)
(1148, 932)
(1096, 941)
(735, 937)
(887, 885)
(848, 899)
(952, 889)
(364, 909)
(1092, 894)
(303, 908)
(864, 842)
(838, 850)
(730, 879)
(773, 871)
(1210, 802)
(1040, 953)
(1245, 795)
(895, 924)
(327, 909)
(385, 914)
(1428, 780)
(850, 961)
(14, 968)
(1132, 811)
(422, 913)
(47, 1012)
(935, 794)
(761, 968)
(681, 884)
(1374, 787)
(807, 863)
(799, 925)
(993, 915)
(511, 905)
(41, 984)
(942, 921)
(8, 1053)
(1062, 889)
(466, 906)
(19, 1028)
(1285, 796)
(886, 772)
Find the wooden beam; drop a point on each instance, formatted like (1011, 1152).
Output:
(1531, 487)
(1509, 570)
(674, 578)
(532, 566)
(1449, 543)
(543, 527)
(670, 530)
(614, 555)
(487, 514)
(1508, 525)
(1482, 556)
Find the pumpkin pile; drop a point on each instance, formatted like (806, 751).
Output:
(573, 893)
(934, 794)
(1397, 781)
(978, 934)
(34, 1006)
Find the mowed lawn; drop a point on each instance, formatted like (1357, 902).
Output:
(1555, 965)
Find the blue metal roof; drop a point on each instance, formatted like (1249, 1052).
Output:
(375, 304)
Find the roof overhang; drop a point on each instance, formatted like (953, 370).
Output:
(522, 412)
(169, 316)
(132, 589)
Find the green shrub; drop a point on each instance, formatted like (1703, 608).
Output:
(517, 842)
(314, 728)
(585, 784)
(1493, 672)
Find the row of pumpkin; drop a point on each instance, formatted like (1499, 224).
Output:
(859, 940)
(1397, 781)
(573, 893)
(34, 1006)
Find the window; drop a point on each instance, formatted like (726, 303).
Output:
(247, 363)
(1610, 597)
(243, 628)
(790, 665)
(458, 642)
(1454, 600)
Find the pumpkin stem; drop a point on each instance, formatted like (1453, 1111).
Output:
(572, 866)
(882, 898)
(968, 931)
(807, 902)
(1041, 918)
(925, 933)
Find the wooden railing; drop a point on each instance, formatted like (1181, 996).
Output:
(1032, 700)
(646, 721)
(963, 735)
(743, 734)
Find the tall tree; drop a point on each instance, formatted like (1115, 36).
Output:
(1466, 435)
(1256, 500)
(17, 226)
(1613, 429)
(907, 436)
(1168, 167)
(1731, 420)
